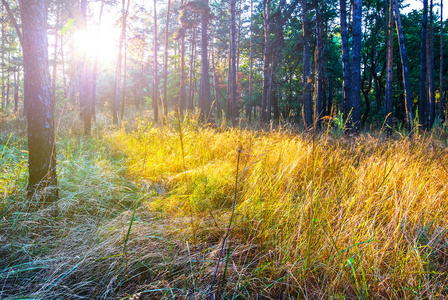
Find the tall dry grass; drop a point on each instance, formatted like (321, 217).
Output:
(317, 217)
(143, 211)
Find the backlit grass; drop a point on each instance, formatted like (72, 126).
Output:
(144, 209)
(316, 217)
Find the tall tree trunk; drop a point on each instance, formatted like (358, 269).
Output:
(3, 47)
(7, 88)
(356, 66)
(318, 94)
(233, 60)
(85, 89)
(64, 77)
(229, 113)
(190, 80)
(430, 68)
(215, 83)
(155, 91)
(346, 83)
(422, 96)
(116, 103)
(165, 67)
(182, 92)
(404, 64)
(55, 56)
(267, 62)
(204, 80)
(95, 66)
(16, 91)
(389, 74)
(123, 95)
(42, 184)
(306, 110)
(441, 99)
(249, 110)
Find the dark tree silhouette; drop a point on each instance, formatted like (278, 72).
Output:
(42, 182)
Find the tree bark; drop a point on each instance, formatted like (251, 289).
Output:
(266, 62)
(190, 80)
(356, 66)
(441, 99)
(16, 91)
(55, 56)
(430, 68)
(405, 68)
(155, 90)
(389, 74)
(306, 110)
(165, 67)
(229, 113)
(318, 94)
(233, 60)
(85, 89)
(204, 80)
(182, 92)
(249, 111)
(123, 95)
(215, 83)
(42, 184)
(118, 71)
(346, 84)
(422, 96)
(95, 66)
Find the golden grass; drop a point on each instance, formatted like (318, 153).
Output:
(316, 217)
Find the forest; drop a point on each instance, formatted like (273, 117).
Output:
(211, 149)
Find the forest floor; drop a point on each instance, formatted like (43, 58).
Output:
(144, 209)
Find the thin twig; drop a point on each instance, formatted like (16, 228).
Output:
(230, 225)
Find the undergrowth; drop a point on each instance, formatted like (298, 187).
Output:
(143, 211)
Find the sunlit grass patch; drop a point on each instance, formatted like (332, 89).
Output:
(352, 217)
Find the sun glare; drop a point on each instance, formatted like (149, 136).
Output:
(101, 44)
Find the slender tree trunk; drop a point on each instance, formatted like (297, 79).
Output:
(55, 56)
(346, 83)
(215, 83)
(422, 96)
(441, 99)
(233, 60)
(266, 62)
(3, 63)
(404, 63)
(306, 110)
(42, 184)
(64, 77)
(155, 91)
(229, 113)
(123, 95)
(190, 80)
(16, 91)
(318, 99)
(330, 95)
(95, 66)
(430, 68)
(85, 89)
(356, 65)
(165, 67)
(249, 111)
(7, 89)
(182, 93)
(116, 103)
(389, 74)
(204, 80)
